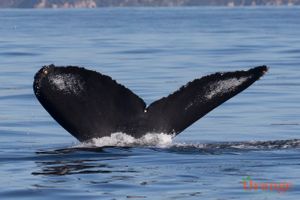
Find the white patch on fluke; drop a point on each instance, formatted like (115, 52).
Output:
(68, 83)
(224, 86)
(123, 140)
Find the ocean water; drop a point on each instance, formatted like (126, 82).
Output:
(153, 51)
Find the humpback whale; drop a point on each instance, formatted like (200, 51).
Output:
(91, 105)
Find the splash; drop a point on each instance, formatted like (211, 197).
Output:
(162, 140)
(123, 140)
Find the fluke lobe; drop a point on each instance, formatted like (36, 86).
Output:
(92, 105)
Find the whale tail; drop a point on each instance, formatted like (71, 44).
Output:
(92, 105)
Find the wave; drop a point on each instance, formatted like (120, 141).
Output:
(163, 142)
(240, 146)
(91, 157)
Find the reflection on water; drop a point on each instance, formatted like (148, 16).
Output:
(92, 160)
(74, 167)
(83, 160)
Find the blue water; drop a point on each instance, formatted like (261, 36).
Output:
(153, 51)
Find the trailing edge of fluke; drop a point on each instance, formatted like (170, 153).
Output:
(92, 105)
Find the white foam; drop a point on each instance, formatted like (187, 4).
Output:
(67, 83)
(123, 140)
(224, 86)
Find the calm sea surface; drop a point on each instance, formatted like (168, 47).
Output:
(154, 51)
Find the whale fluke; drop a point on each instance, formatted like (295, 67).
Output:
(92, 105)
